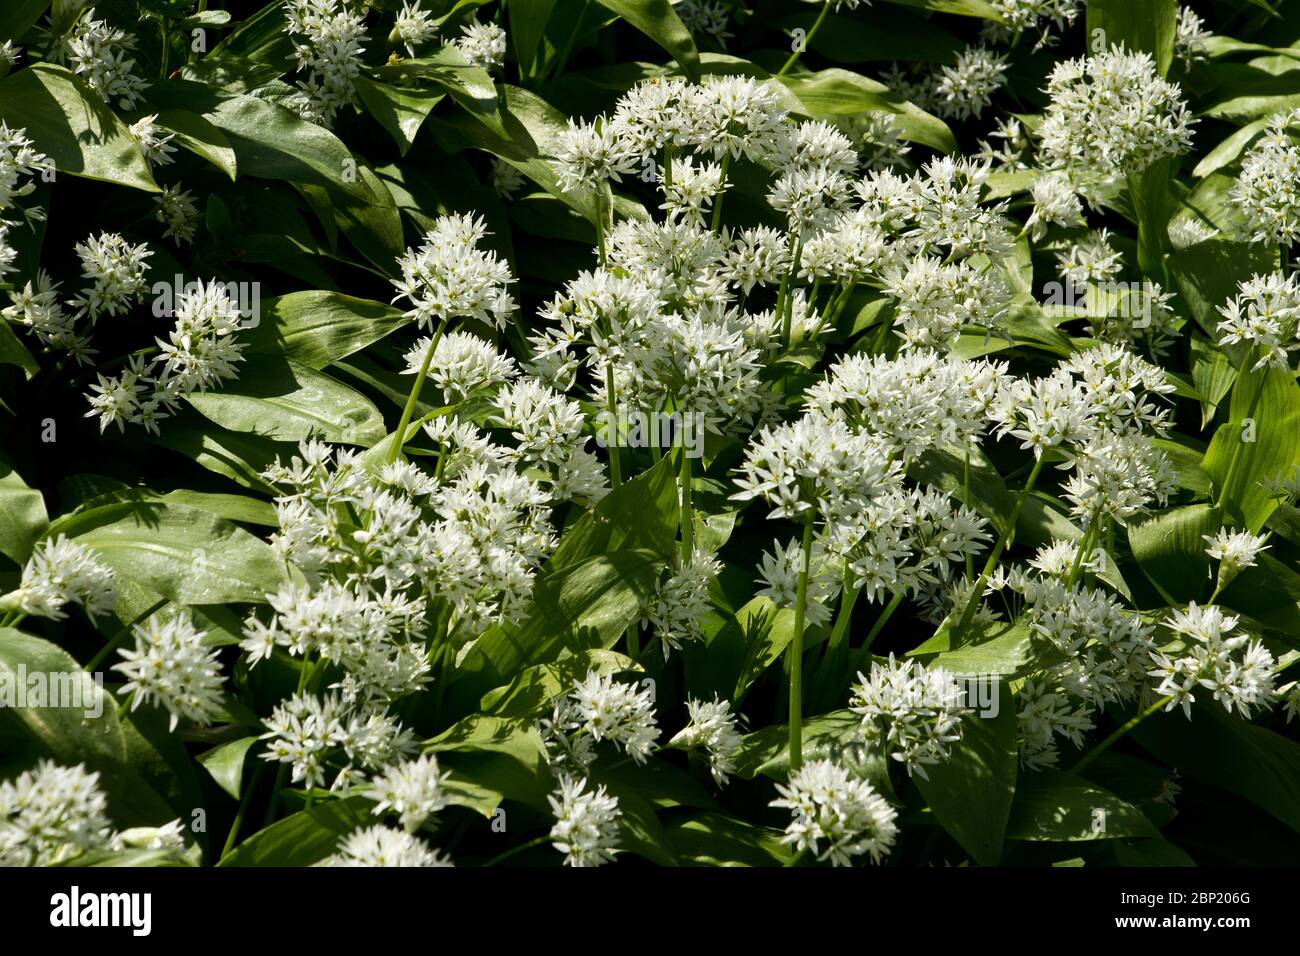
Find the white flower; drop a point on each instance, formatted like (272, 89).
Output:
(692, 190)
(681, 601)
(176, 211)
(1234, 550)
(462, 365)
(413, 790)
(1238, 669)
(383, 846)
(483, 44)
(1190, 36)
(52, 814)
(816, 145)
(1263, 315)
(589, 155)
(609, 710)
(62, 571)
(967, 87)
(1266, 191)
(1111, 116)
(448, 277)
(171, 666)
(913, 710)
(412, 26)
(117, 269)
(712, 726)
(1092, 259)
(848, 815)
(586, 823)
(779, 571)
(156, 146)
(738, 116)
(98, 53)
(326, 38)
(759, 255)
(18, 158)
(1055, 203)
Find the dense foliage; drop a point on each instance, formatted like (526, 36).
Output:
(577, 431)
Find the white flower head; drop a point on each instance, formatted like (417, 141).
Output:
(835, 815)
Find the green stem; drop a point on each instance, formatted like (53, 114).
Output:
(600, 225)
(399, 438)
(864, 653)
(243, 809)
(1105, 745)
(722, 191)
(668, 165)
(516, 850)
(615, 458)
(686, 512)
(796, 649)
(1003, 541)
(1235, 462)
(122, 632)
(807, 40)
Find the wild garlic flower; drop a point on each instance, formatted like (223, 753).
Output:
(1048, 17)
(413, 790)
(812, 463)
(1265, 191)
(836, 816)
(117, 270)
(713, 727)
(605, 709)
(811, 198)
(1116, 475)
(1235, 551)
(61, 571)
(967, 87)
(506, 180)
(913, 711)
(177, 212)
(1013, 146)
(449, 277)
(412, 27)
(9, 55)
(779, 571)
(586, 826)
(154, 143)
(1111, 116)
(759, 256)
(681, 601)
(1217, 656)
(1190, 36)
(658, 112)
(880, 140)
(739, 116)
(326, 36)
(484, 45)
(1092, 259)
(1047, 712)
(19, 158)
(36, 305)
(937, 300)
(1122, 390)
(1265, 316)
(815, 145)
(310, 733)
(172, 667)
(706, 18)
(383, 846)
(590, 155)
(1044, 413)
(693, 190)
(681, 261)
(52, 814)
(99, 54)
(1056, 203)
(462, 365)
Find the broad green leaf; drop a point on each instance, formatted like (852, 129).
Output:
(711, 839)
(533, 688)
(270, 141)
(18, 16)
(69, 123)
(185, 554)
(963, 8)
(659, 21)
(22, 515)
(201, 138)
(491, 759)
(1207, 274)
(1149, 27)
(303, 838)
(1228, 752)
(1213, 374)
(316, 328)
(1004, 649)
(1055, 806)
(971, 792)
(286, 401)
(400, 110)
(469, 85)
(837, 94)
(527, 27)
(226, 764)
(1230, 148)
(1259, 444)
(239, 456)
(642, 513)
(834, 736)
(582, 606)
(948, 472)
(1170, 549)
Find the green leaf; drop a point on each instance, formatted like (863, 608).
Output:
(316, 328)
(837, 94)
(581, 606)
(1207, 274)
(642, 513)
(269, 141)
(999, 648)
(946, 471)
(711, 839)
(1227, 752)
(1055, 806)
(835, 736)
(1171, 551)
(19, 16)
(400, 110)
(659, 21)
(303, 838)
(1230, 148)
(226, 764)
(1259, 443)
(972, 791)
(14, 352)
(469, 85)
(1149, 27)
(886, 35)
(528, 19)
(286, 401)
(70, 124)
(185, 554)
(201, 138)
(22, 515)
